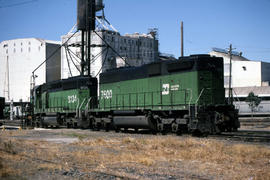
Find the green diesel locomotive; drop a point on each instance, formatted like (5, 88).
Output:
(61, 103)
(185, 95)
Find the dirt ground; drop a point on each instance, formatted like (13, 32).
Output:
(83, 154)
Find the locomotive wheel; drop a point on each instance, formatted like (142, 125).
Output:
(117, 130)
(179, 133)
(107, 127)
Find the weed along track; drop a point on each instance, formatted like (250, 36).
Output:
(41, 154)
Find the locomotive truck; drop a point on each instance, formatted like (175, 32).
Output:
(184, 95)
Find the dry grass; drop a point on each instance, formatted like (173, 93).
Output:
(80, 136)
(29, 156)
(13, 133)
(210, 155)
(230, 161)
(50, 166)
(4, 170)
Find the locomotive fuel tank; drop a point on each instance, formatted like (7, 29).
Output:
(140, 122)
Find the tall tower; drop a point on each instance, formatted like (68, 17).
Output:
(86, 23)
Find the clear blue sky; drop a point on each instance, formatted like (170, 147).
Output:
(208, 23)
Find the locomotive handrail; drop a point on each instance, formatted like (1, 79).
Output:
(82, 104)
(81, 108)
(87, 104)
(196, 102)
(191, 96)
(202, 91)
(77, 107)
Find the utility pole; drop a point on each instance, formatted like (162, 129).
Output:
(230, 78)
(6, 83)
(182, 39)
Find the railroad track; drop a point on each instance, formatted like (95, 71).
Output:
(246, 136)
(11, 123)
(256, 121)
(253, 136)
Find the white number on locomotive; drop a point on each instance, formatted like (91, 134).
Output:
(72, 99)
(106, 94)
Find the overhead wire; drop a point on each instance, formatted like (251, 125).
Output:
(48, 58)
(112, 48)
(98, 55)
(94, 59)
(71, 53)
(103, 63)
(74, 55)
(68, 61)
(18, 4)
(73, 61)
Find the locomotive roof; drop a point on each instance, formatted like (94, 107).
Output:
(183, 64)
(66, 84)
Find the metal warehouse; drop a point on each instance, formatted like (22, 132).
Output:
(18, 58)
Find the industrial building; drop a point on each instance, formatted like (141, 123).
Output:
(18, 59)
(245, 72)
(132, 50)
(247, 76)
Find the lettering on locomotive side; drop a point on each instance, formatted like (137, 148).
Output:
(106, 94)
(166, 88)
(175, 87)
(72, 99)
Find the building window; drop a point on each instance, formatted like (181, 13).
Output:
(21, 49)
(21, 43)
(29, 49)
(29, 43)
(14, 44)
(7, 51)
(14, 50)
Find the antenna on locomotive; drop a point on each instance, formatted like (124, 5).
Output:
(86, 23)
